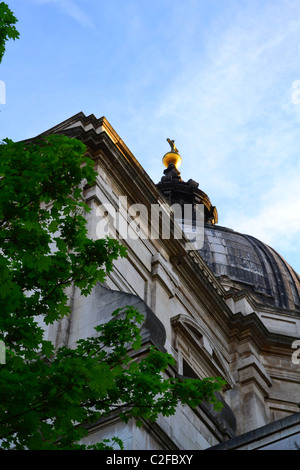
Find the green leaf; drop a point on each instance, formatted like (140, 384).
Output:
(47, 396)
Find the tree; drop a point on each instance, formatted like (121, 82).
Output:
(47, 397)
(7, 27)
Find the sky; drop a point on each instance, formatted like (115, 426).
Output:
(221, 78)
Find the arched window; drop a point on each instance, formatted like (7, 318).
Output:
(197, 356)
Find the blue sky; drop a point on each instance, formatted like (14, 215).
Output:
(218, 76)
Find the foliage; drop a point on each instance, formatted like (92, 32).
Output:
(7, 27)
(44, 249)
(56, 398)
(43, 236)
(47, 397)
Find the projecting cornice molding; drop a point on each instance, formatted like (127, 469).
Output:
(250, 370)
(250, 327)
(161, 270)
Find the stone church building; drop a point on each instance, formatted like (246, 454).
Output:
(230, 308)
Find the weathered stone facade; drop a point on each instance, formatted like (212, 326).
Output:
(226, 311)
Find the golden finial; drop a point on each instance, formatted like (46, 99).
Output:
(173, 156)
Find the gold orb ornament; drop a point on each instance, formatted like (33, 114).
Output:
(172, 157)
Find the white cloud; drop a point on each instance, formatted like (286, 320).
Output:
(71, 9)
(277, 219)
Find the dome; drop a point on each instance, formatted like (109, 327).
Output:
(248, 263)
(251, 265)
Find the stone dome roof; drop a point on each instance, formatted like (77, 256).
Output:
(247, 262)
(252, 265)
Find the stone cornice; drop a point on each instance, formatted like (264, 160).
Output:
(247, 327)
